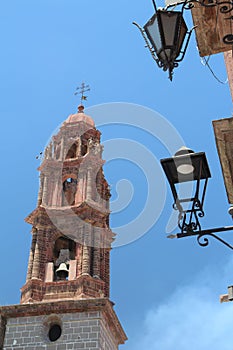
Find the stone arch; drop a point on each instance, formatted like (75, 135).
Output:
(73, 151)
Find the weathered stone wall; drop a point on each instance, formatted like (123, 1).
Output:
(86, 330)
(107, 341)
(223, 129)
(2, 330)
(83, 324)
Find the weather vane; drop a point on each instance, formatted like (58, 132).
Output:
(81, 90)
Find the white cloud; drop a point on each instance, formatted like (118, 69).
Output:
(191, 319)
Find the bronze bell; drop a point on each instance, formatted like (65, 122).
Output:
(62, 272)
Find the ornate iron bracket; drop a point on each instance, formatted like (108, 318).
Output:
(225, 7)
(202, 233)
(188, 220)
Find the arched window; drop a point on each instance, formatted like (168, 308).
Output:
(72, 153)
(69, 190)
(54, 332)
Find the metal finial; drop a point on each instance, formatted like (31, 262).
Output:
(81, 90)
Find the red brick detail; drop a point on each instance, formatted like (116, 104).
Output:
(73, 203)
(83, 287)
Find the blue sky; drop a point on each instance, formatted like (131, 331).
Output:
(163, 289)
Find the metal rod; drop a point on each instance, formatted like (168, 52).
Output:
(206, 241)
(154, 4)
(147, 42)
(198, 180)
(187, 199)
(188, 4)
(204, 192)
(205, 232)
(186, 45)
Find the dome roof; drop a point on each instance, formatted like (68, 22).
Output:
(80, 117)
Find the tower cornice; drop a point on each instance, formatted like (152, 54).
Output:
(99, 305)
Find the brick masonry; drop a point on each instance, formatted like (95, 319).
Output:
(73, 214)
(70, 228)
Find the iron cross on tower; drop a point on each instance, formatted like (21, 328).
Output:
(81, 90)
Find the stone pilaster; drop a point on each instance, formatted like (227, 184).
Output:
(39, 200)
(36, 262)
(45, 191)
(31, 256)
(89, 184)
(86, 261)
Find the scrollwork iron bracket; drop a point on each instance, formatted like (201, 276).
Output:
(225, 7)
(201, 234)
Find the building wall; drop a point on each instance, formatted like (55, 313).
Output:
(223, 130)
(106, 339)
(85, 330)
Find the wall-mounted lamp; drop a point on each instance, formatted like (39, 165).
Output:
(188, 166)
(166, 33)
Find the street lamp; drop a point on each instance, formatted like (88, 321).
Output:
(187, 166)
(165, 32)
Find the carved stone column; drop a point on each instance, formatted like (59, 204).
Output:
(62, 150)
(89, 185)
(86, 261)
(45, 191)
(78, 150)
(39, 199)
(36, 262)
(96, 252)
(31, 256)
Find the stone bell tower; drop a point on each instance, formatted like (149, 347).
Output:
(65, 300)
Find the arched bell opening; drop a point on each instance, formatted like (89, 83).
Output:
(69, 191)
(73, 152)
(63, 252)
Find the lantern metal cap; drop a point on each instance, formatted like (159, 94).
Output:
(183, 150)
(186, 158)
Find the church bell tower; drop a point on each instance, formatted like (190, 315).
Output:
(65, 300)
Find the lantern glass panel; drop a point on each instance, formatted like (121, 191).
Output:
(153, 31)
(182, 34)
(169, 25)
(166, 55)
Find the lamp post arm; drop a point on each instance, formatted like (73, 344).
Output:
(209, 232)
(154, 4)
(206, 241)
(189, 4)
